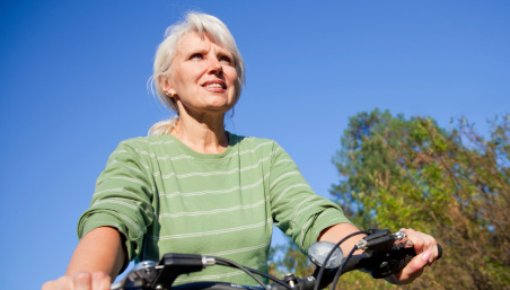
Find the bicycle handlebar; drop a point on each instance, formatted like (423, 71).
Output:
(381, 258)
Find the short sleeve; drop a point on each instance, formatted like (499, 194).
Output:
(296, 209)
(122, 198)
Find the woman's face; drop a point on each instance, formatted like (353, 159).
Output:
(202, 75)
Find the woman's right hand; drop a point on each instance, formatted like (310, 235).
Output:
(80, 281)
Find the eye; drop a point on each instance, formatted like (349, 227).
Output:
(196, 56)
(225, 59)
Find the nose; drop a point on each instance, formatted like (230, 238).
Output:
(215, 66)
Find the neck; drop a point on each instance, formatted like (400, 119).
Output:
(204, 135)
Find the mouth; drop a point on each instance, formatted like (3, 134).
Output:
(215, 85)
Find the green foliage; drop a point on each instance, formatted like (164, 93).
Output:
(454, 184)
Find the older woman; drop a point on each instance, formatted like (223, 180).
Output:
(191, 186)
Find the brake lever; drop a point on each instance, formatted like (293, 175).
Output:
(382, 257)
(142, 275)
(379, 239)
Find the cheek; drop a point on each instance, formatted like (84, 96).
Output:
(184, 76)
(183, 82)
(231, 74)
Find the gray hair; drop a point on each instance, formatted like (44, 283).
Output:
(202, 24)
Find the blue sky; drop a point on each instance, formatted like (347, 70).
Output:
(73, 83)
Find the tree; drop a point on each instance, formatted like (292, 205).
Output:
(453, 184)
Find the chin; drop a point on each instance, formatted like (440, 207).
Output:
(219, 109)
(221, 105)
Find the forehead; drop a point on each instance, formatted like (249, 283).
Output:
(197, 41)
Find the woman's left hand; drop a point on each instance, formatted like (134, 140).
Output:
(427, 252)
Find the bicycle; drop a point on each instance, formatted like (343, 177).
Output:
(381, 257)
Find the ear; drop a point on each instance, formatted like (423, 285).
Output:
(165, 85)
(171, 93)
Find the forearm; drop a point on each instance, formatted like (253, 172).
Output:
(100, 250)
(339, 231)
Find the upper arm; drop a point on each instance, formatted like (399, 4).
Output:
(123, 198)
(297, 210)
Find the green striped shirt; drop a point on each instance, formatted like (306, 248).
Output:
(165, 197)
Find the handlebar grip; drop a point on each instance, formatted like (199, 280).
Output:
(395, 261)
(408, 256)
(392, 262)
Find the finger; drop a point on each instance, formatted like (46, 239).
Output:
(48, 285)
(63, 283)
(416, 239)
(100, 281)
(429, 244)
(82, 281)
(415, 267)
(422, 242)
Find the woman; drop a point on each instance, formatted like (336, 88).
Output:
(193, 187)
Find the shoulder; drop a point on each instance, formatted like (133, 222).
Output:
(147, 146)
(251, 142)
(262, 147)
(147, 142)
